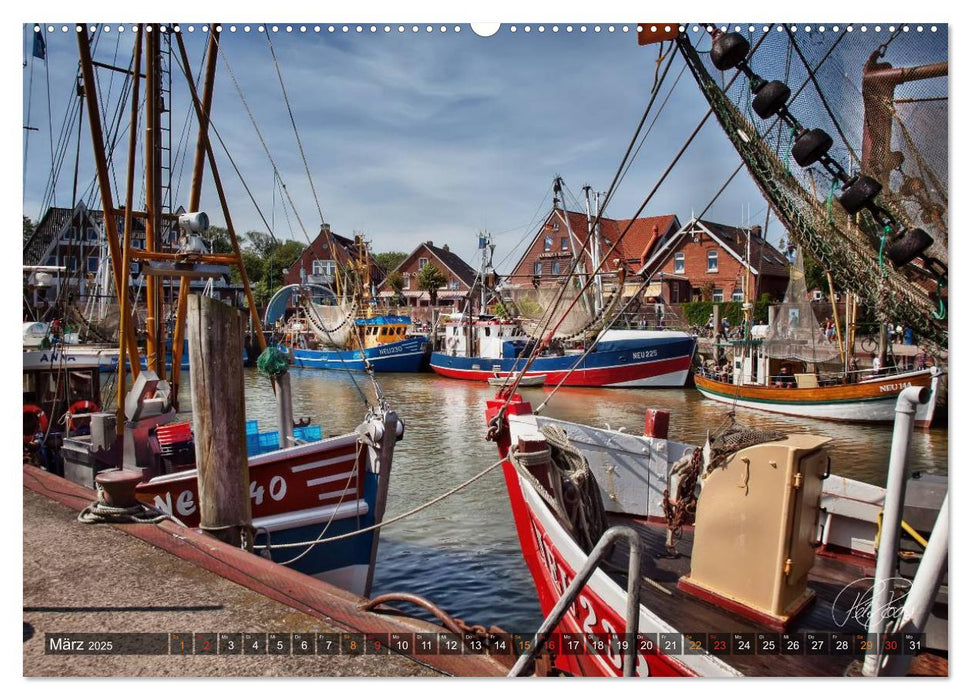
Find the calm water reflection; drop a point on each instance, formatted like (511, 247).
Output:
(463, 553)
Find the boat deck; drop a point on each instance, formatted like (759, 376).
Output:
(691, 615)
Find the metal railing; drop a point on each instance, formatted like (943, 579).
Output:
(579, 581)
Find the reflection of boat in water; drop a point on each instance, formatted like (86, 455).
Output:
(530, 380)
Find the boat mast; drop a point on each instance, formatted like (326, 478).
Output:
(578, 258)
(104, 185)
(154, 330)
(593, 235)
(195, 197)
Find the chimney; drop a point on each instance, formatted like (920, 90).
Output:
(445, 247)
(756, 231)
(429, 244)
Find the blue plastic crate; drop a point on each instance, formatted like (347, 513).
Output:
(308, 433)
(269, 441)
(252, 427)
(252, 445)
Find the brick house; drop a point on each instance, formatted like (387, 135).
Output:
(703, 253)
(319, 262)
(461, 280)
(550, 255)
(74, 240)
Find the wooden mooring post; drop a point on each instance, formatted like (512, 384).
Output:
(218, 419)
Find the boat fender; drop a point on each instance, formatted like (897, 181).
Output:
(35, 410)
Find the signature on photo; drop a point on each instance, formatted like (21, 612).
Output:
(855, 604)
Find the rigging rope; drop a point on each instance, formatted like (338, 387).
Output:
(296, 133)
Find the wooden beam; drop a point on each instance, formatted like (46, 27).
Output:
(195, 196)
(218, 419)
(124, 318)
(104, 180)
(217, 182)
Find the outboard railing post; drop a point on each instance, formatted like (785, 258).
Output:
(580, 580)
(893, 507)
(923, 592)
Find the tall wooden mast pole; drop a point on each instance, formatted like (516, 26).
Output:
(154, 346)
(217, 183)
(124, 319)
(104, 184)
(195, 197)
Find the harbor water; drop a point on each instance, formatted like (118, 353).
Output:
(462, 553)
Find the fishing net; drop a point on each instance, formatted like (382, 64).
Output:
(534, 310)
(332, 325)
(898, 135)
(794, 333)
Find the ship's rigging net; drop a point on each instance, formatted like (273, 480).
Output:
(794, 333)
(906, 150)
(331, 324)
(572, 314)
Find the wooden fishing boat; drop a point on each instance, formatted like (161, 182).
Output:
(869, 400)
(528, 380)
(779, 552)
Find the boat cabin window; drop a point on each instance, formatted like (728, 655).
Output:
(488, 331)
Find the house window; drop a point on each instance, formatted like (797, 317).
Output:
(556, 226)
(817, 295)
(93, 263)
(556, 267)
(325, 268)
(70, 234)
(564, 243)
(92, 234)
(71, 263)
(138, 243)
(679, 262)
(454, 284)
(712, 261)
(718, 295)
(675, 294)
(548, 243)
(422, 262)
(406, 281)
(737, 295)
(538, 268)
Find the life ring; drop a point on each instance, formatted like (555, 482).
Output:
(80, 407)
(39, 416)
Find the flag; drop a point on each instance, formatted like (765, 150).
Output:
(40, 45)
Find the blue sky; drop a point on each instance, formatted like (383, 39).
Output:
(423, 136)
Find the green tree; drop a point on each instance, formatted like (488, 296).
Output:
(430, 280)
(28, 229)
(389, 261)
(218, 239)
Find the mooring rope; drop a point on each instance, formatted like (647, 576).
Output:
(395, 519)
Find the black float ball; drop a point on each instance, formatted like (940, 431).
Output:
(771, 98)
(903, 248)
(810, 146)
(860, 192)
(729, 50)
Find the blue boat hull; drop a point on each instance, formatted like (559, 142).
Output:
(648, 362)
(403, 356)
